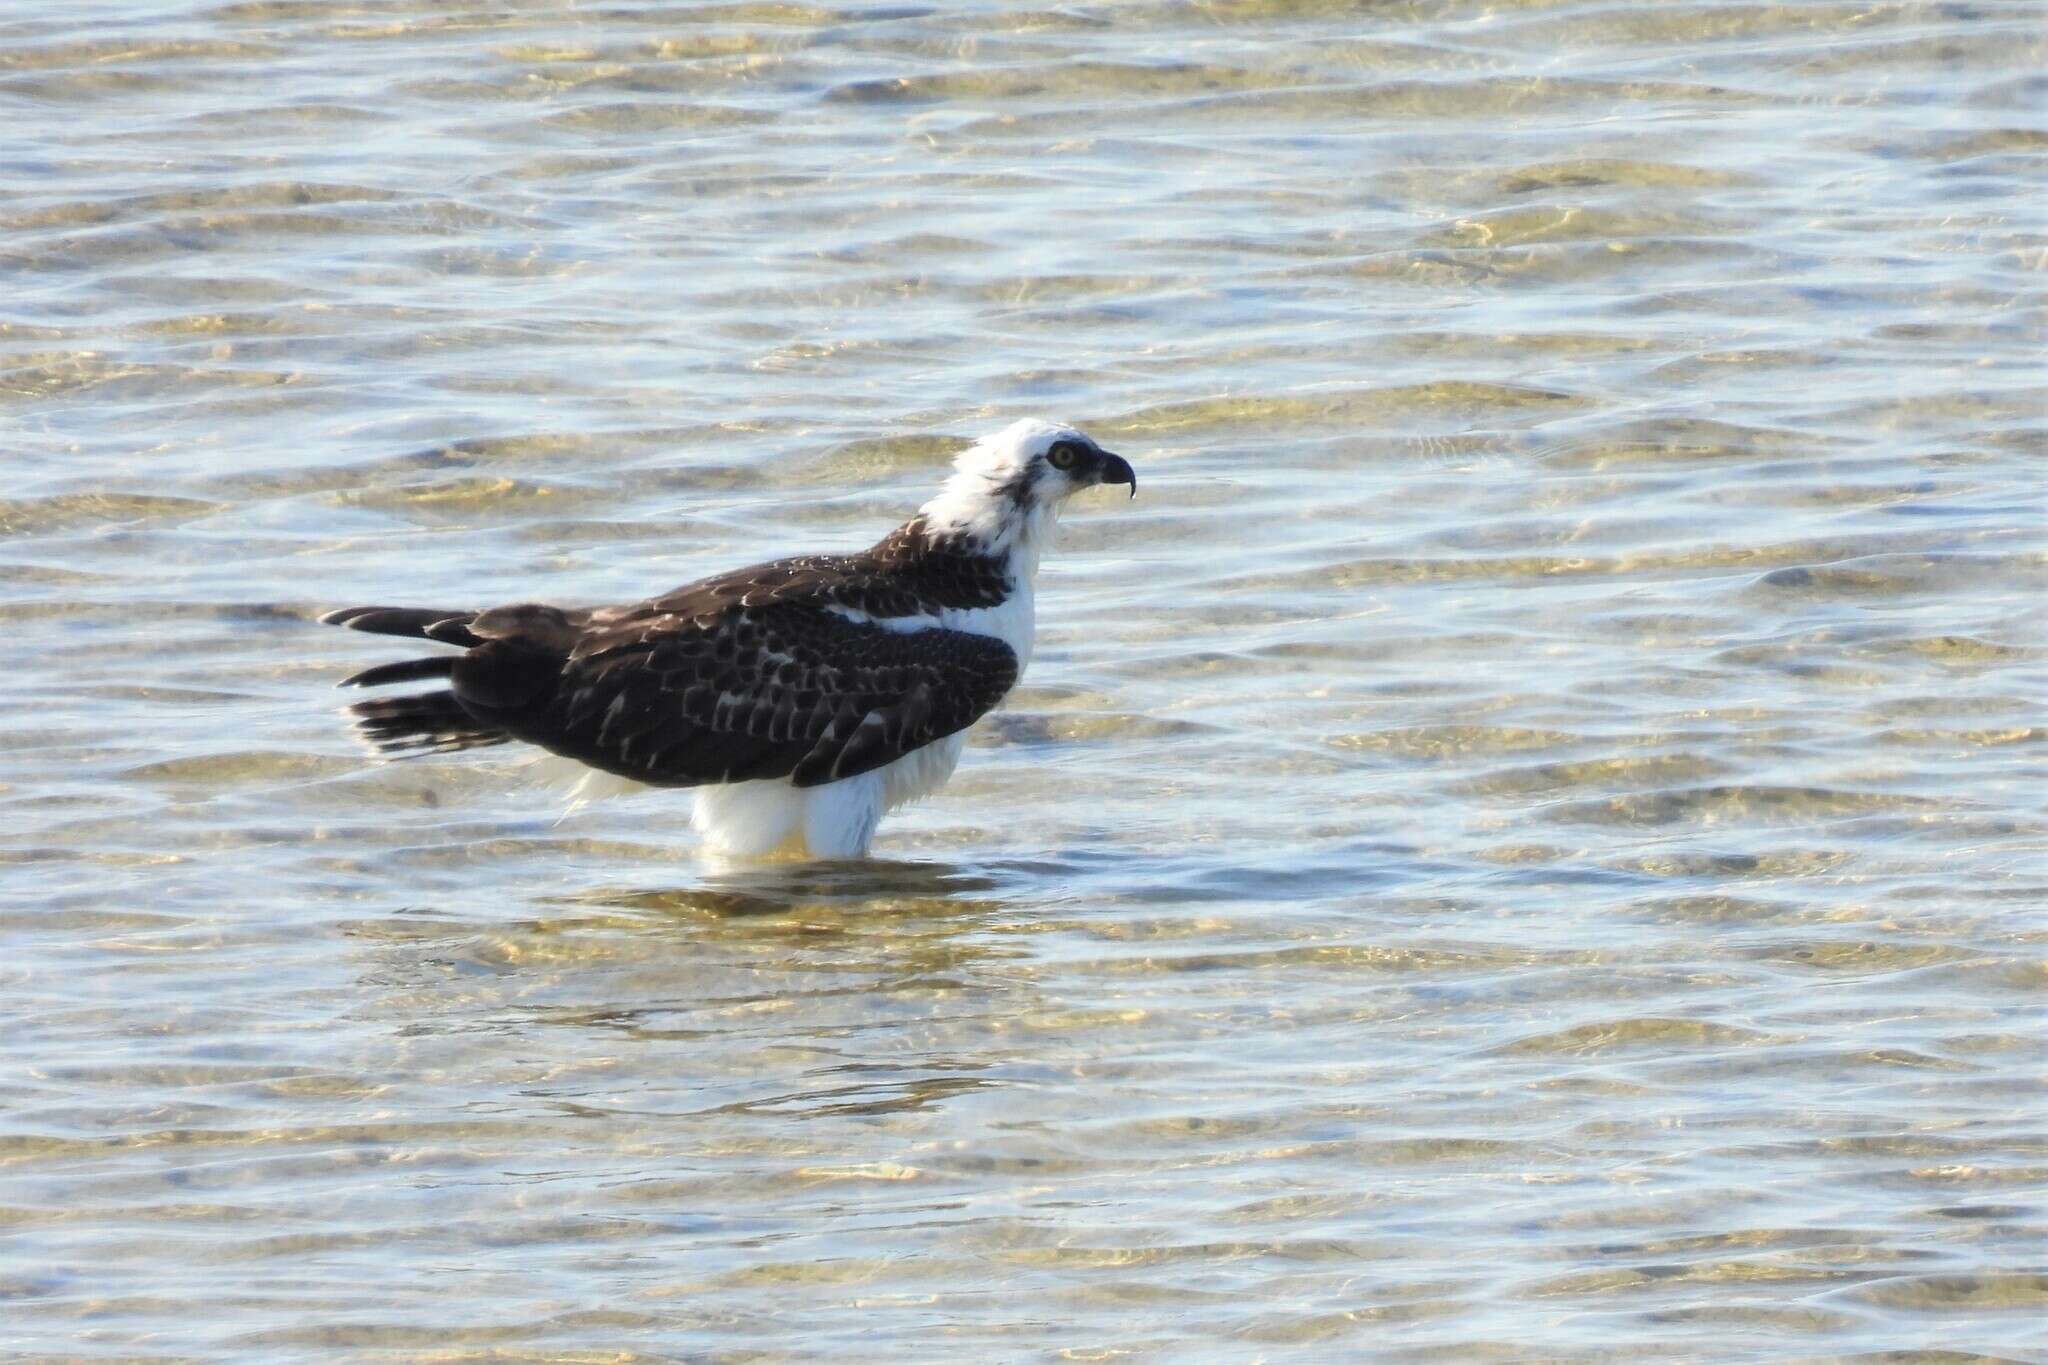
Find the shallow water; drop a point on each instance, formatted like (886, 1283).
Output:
(1525, 840)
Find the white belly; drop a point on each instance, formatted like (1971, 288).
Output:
(836, 820)
(918, 774)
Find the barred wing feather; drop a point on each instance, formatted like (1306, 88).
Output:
(788, 689)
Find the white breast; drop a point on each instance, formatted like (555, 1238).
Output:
(1014, 622)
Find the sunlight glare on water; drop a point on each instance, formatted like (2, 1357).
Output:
(1525, 840)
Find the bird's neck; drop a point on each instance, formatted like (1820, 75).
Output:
(1009, 549)
(996, 515)
(964, 584)
(948, 570)
(1022, 541)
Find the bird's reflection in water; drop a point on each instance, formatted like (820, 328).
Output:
(777, 993)
(865, 886)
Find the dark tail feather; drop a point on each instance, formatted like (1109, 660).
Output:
(423, 723)
(415, 623)
(412, 670)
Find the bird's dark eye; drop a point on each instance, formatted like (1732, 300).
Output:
(1063, 455)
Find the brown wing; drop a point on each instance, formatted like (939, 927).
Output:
(755, 673)
(787, 689)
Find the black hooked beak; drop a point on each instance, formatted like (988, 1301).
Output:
(1116, 469)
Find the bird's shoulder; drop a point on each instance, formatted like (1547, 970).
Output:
(906, 575)
(804, 580)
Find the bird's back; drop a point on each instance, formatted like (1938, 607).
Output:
(792, 668)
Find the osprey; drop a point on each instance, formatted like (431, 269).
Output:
(802, 698)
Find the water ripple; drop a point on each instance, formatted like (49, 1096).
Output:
(1525, 840)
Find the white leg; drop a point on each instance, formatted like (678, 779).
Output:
(840, 817)
(747, 819)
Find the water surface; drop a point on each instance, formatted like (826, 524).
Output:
(1526, 839)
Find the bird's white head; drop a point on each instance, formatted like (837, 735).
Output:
(1006, 490)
